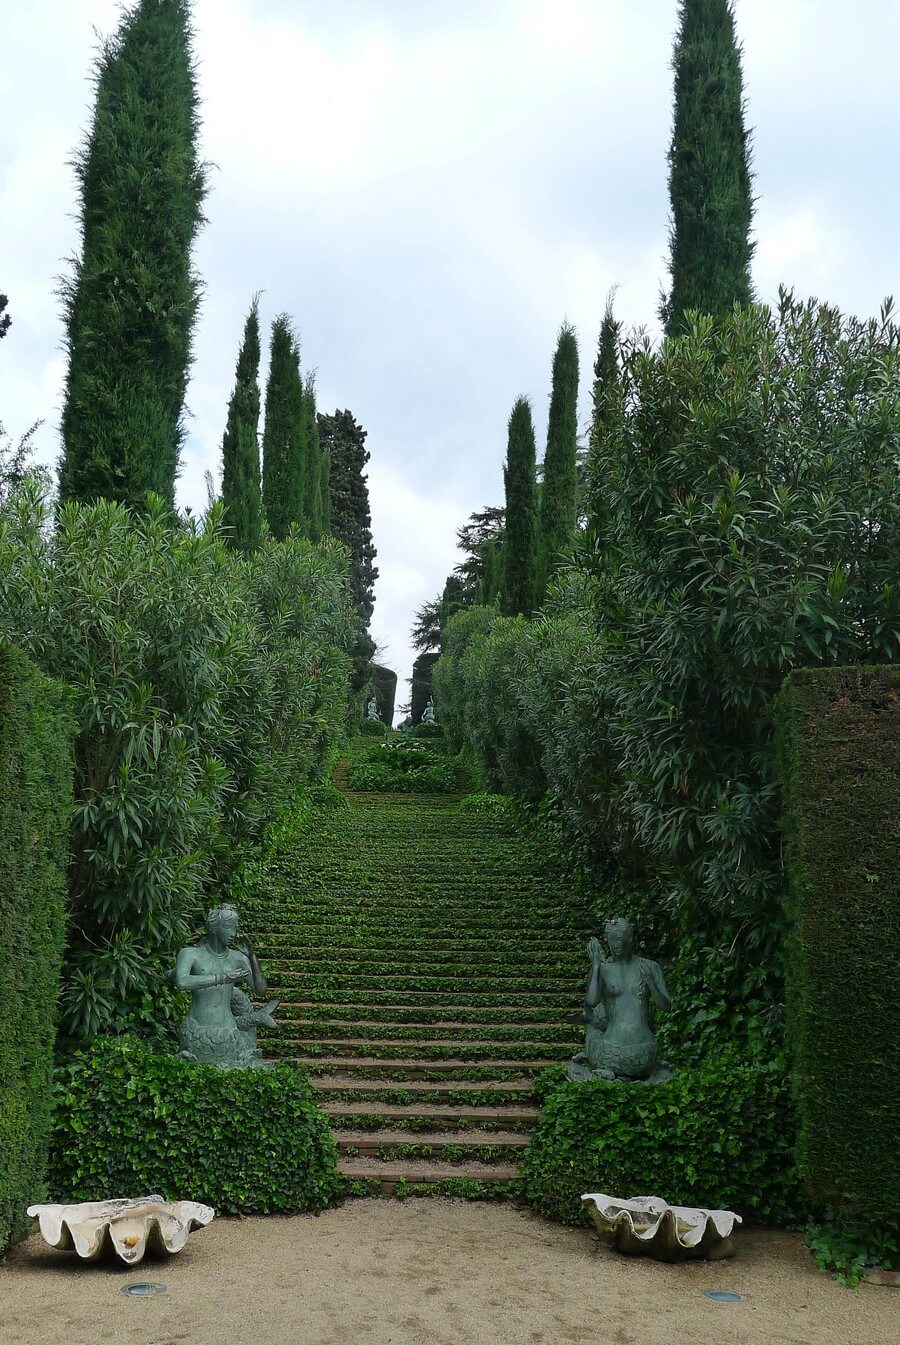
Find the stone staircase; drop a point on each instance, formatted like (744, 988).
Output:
(428, 971)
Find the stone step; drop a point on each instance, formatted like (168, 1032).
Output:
(405, 1115)
(407, 1015)
(378, 1143)
(476, 999)
(388, 1049)
(454, 1091)
(387, 1176)
(398, 1067)
(319, 1031)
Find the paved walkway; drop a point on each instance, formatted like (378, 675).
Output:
(435, 1272)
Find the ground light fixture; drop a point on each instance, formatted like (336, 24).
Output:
(144, 1290)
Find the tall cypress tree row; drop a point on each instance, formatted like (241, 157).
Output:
(325, 479)
(241, 490)
(133, 295)
(710, 180)
(559, 495)
(520, 545)
(312, 466)
(284, 435)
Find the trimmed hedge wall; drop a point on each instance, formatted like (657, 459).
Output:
(244, 1141)
(420, 685)
(839, 748)
(384, 688)
(35, 799)
(719, 1135)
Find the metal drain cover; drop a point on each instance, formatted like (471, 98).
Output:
(144, 1290)
(722, 1296)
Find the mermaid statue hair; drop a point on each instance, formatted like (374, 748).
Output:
(219, 914)
(619, 922)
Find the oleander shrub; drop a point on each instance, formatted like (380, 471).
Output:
(719, 1134)
(244, 1141)
(839, 739)
(35, 800)
(207, 688)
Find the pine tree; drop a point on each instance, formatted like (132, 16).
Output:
(521, 531)
(241, 490)
(312, 466)
(284, 435)
(710, 179)
(133, 295)
(344, 444)
(559, 493)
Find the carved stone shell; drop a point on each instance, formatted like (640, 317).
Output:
(649, 1226)
(126, 1227)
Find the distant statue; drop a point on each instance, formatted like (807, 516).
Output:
(428, 712)
(619, 1042)
(220, 1028)
(372, 711)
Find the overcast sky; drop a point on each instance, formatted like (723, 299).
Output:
(429, 187)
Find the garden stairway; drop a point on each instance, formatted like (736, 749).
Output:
(428, 969)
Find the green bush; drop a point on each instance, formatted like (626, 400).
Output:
(243, 1141)
(402, 766)
(433, 731)
(207, 688)
(720, 1135)
(839, 737)
(374, 728)
(35, 800)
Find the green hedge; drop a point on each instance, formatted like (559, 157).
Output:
(720, 1135)
(244, 1141)
(384, 688)
(35, 798)
(839, 748)
(402, 765)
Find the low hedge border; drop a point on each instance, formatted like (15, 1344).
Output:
(243, 1141)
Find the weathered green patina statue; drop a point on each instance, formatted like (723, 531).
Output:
(619, 1042)
(372, 711)
(220, 1028)
(428, 715)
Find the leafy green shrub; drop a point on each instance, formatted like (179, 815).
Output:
(720, 1134)
(243, 1141)
(839, 734)
(433, 731)
(207, 688)
(402, 766)
(374, 728)
(35, 800)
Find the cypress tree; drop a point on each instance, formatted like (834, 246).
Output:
(559, 494)
(312, 467)
(710, 179)
(284, 434)
(133, 295)
(343, 442)
(241, 494)
(325, 479)
(521, 531)
(606, 381)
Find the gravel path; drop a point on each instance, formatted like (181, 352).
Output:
(434, 1272)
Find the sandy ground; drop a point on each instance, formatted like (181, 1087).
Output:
(434, 1272)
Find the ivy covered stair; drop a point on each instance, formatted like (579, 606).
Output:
(429, 969)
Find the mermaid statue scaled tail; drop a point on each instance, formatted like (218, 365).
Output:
(619, 1042)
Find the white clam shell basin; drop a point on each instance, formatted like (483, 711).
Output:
(649, 1226)
(126, 1227)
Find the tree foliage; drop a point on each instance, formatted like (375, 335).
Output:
(710, 180)
(207, 686)
(241, 488)
(344, 443)
(749, 473)
(132, 296)
(559, 493)
(313, 525)
(520, 544)
(285, 433)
